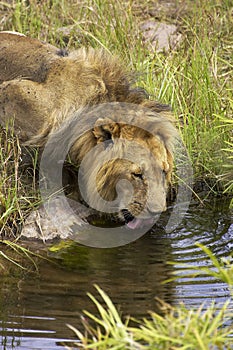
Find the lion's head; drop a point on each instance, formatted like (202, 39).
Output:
(124, 157)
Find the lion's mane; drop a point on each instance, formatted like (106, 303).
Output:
(53, 94)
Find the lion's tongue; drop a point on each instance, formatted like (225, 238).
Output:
(137, 223)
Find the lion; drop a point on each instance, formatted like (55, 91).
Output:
(53, 95)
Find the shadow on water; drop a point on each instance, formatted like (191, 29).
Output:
(35, 308)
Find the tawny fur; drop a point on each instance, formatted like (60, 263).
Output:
(42, 87)
(39, 87)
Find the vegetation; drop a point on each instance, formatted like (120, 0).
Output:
(18, 194)
(194, 77)
(177, 327)
(17, 255)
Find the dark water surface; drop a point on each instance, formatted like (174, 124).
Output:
(35, 308)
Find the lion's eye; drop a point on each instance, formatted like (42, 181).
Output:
(138, 175)
(108, 135)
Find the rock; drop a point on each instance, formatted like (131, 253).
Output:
(57, 218)
(161, 36)
(67, 31)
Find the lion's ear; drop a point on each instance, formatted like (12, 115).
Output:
(106, 129)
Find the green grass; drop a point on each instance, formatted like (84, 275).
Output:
(17, 195)
(17, 253)
(9, 179)
(174, 328)
(195, 78)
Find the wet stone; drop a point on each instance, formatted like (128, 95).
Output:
(55, 219)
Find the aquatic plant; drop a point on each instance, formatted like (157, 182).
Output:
(175, 328)
(18, 256)
(221, 269)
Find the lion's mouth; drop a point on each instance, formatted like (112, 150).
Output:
(133, 223)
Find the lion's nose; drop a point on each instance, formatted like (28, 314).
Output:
(157, 210)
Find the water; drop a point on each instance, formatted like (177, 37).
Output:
(36, 308)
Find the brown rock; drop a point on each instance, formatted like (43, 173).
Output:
(160, 36)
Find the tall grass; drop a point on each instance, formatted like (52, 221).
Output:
(17, 195)
(9, 179)
(196, 79)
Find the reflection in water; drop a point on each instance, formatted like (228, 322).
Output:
(34, 309)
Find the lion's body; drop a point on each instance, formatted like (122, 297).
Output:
(39, 82)
(41, 87)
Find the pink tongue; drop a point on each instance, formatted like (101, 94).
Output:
(136, 223)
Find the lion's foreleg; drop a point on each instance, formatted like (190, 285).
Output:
(23, 101)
